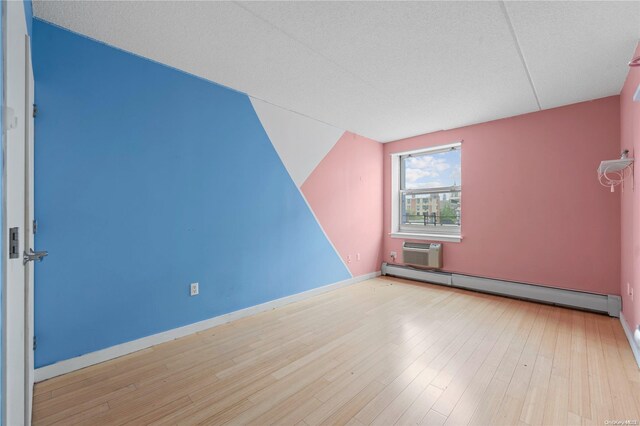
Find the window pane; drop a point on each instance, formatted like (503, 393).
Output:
(438, 209)
(437, 170)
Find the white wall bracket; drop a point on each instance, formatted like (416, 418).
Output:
(612, 173)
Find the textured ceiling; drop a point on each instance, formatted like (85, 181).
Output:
(385, 70)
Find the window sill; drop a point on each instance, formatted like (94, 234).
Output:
(430, 237)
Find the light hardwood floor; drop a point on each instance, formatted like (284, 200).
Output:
(385, 351)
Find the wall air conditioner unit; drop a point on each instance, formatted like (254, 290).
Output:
(422, 255)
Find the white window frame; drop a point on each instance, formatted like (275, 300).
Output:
(426, 233)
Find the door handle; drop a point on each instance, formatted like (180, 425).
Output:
(33, 255)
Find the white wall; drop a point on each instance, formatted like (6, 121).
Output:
(301, 142)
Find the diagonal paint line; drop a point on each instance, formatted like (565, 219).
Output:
(305, 198)
(503, 6)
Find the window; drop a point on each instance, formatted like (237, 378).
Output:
(427, 193)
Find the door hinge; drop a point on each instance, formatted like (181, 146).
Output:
(35, 110)
(35, 227)
(35, 343)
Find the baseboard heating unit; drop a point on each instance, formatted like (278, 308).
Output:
(609, 304)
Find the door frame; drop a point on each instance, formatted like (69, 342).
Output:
(3, 233)
(29, 243)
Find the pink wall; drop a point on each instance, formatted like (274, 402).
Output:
(532, 208)
(630, 231)
(345, 193)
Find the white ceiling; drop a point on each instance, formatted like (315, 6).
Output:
(385, 70)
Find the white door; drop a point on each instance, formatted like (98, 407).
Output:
(14, 190)
(18, 214)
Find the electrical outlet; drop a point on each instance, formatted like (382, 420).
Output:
(358, 256)
(393, 255)
(194, 289)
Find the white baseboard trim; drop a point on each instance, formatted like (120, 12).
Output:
(635, 345)
(77, 363)
(607, 303)
(416, 274)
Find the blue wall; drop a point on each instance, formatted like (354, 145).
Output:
(28, 15)
(148, 179)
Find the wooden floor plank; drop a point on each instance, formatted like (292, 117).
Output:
(385, 351)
